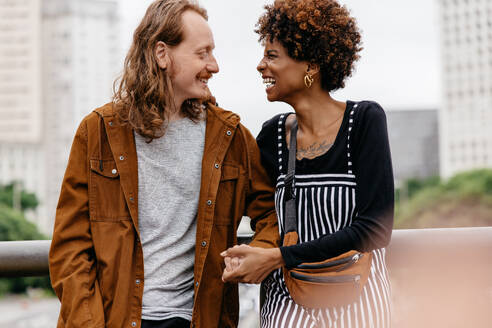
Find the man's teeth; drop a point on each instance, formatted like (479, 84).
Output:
(268, 82)
(203, 81)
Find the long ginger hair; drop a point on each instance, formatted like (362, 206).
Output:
(143, 93)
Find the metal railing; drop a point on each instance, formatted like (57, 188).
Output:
(24, 258)
(30, 257)
(439, 277)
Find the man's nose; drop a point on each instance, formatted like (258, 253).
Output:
(212, 66)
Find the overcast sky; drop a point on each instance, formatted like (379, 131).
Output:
(399, 66)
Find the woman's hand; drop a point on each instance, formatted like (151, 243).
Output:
(250, 264)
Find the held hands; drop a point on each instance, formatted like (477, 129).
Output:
(250, 264)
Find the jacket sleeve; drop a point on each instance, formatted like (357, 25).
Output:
(71, 258)
(260, 206)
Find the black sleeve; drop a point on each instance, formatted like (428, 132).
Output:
(373, 222)
(267, 142)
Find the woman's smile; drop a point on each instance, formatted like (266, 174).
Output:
(269, 83)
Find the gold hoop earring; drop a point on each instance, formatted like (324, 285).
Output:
(308, 80)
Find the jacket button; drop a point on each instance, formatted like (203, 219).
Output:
(122, 158)
(134, 324)
(228, 132)
(216, 165)
(196, 284)
(114, 171)
(204, 243)
(137, 281)
(110, 123)
(131, 199)
(209, 202)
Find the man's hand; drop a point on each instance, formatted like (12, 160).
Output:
(250, 264)
(232, 263)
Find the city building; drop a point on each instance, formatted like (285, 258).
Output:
(413, 136)
(20, 71)
(72, 59)
(466, 111)
(21, 123)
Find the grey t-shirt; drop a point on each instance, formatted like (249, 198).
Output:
(169, 174)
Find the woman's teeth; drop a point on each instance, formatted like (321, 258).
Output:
(269, 82)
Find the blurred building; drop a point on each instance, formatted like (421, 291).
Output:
(466, 113)
(68, 54)
(21, 157)
(20, 71)
(20, 94)
(413, 136)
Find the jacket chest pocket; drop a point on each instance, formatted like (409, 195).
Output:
(106, 198)
(227, 196)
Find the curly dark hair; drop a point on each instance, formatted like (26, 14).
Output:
(320, 32)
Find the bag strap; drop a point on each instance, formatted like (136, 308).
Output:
(290, 222)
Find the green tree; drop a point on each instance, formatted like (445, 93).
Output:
(14, 226)
(27, 200)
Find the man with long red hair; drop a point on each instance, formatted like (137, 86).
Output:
(156, 185)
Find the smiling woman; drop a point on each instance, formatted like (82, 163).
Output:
(331, 164)
(324, 34)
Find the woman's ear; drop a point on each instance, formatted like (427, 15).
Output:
(312, 69)
(161, 52)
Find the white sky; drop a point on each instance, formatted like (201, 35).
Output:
(399, 66)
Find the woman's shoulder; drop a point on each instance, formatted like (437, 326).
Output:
(270, 127)
(272, 123)
(368, 110)
(267, 141)
(369, 122)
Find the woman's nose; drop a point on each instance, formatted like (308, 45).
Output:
(261, 66)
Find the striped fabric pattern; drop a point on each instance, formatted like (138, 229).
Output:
(325, 204)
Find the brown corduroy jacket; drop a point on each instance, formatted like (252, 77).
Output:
(96, 258)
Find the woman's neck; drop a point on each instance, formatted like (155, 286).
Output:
(316, 111)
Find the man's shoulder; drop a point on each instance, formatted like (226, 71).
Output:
(106, 110)
(92, 121)
(228, 117)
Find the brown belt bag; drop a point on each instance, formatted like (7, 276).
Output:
(332, 282)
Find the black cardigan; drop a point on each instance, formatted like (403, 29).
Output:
(373, 221)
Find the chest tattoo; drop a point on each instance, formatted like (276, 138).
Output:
(314, 150)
